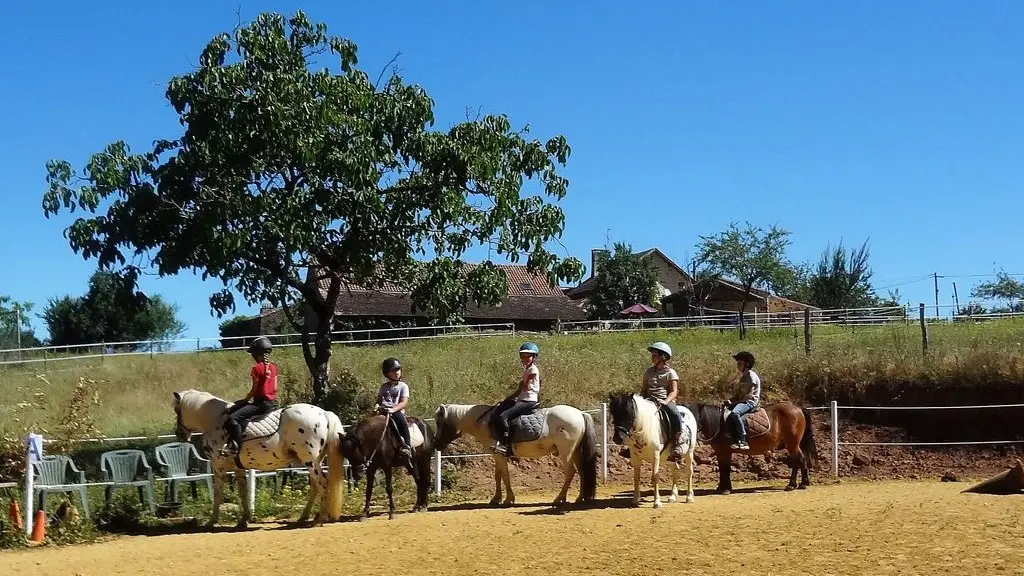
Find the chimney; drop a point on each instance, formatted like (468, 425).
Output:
(595, 255)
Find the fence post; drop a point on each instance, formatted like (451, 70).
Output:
(198, 348)
(807, 331)
(834, 409)
(924, 329)
(437, 472)
(251, 481)
(33, 452)
(604, 441)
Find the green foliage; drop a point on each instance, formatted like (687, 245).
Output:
(1004, 287)
(289, 163)
(623, 278)
(11, 312)
(756, 258)
(111, 311)
(841, 279)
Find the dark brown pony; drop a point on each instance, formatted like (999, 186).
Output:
(790, 429)
(367, 448)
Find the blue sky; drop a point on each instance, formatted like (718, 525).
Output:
(898, 122)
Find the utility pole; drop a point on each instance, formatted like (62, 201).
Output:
(936, 276)
(17, 328)
(956, 300)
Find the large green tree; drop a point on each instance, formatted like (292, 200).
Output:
(15, 326)
(841, 279)
(1005, 288)
(294, 160)
(112, 310)
(622, 278)
(754, 257)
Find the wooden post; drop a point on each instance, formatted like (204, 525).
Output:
(924, 329)
(807, 331)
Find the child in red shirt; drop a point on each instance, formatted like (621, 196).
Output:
(261, 399)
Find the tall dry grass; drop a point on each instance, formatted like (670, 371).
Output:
(863, 364)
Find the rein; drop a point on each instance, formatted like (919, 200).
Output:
(387, 422)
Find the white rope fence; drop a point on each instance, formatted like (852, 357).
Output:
(34, 452)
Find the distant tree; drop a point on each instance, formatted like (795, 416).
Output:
(112, 310)
(972, 309)
(622, 278)
(841, 279)
(754, 257)
(292, 162)
(10, 328)
(1004, 287)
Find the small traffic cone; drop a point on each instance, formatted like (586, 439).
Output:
(39, 527)
(14, 514)
(1009, 482)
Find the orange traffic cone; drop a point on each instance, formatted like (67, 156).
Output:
(39, 527)
(14, 514)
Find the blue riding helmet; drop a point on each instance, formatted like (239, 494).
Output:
(529, 348)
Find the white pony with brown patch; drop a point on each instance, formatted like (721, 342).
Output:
(299, 433)
(637, 423)
(564, 431)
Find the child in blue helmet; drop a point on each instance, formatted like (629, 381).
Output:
(523, 402)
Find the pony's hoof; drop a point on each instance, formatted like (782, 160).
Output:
(241, 525)
(210, 525)
(391, 515)
(790, 488)
(495, 501)
(657, 504)
(673, 498)
(689, 499)
(636, 503)
(364, 516)
(723, 491)
(803, 487)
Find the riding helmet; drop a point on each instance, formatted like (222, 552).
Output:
(744, 356)
(529, 348)
(390, 365)
(261, 344)
(661, 348)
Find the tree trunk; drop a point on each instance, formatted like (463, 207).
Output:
(318, 356)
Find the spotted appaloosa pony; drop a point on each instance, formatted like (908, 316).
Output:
(789, 427)
(562, 430)
(300, 433)
(369, 446)
(638, 422)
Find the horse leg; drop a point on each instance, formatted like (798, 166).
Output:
(724, 469)
(314, 491)
(388, 474)
(674, 495)
(371, 471)
(321, 486)
(219, 478)
(510, 498)
(569, 465)
(805, 478)
(243, 494)
(655, 472)
(422, 484)
(689, 474)
(496, 499)
(636, 476)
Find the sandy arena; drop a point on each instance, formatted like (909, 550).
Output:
(852, 528)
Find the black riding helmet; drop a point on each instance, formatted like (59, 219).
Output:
(744, 356)
(389, 365)
(261, 344)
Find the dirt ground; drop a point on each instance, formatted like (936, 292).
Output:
(877, 528)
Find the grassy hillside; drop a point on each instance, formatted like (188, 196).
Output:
(969, 361)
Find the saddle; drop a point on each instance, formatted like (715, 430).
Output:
(528, 427)
(416, 434)
(260, 426)
(756, 422)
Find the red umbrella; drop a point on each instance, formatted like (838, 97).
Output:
(638, 309)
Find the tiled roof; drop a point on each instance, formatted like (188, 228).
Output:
(513, 307)
(520, 283)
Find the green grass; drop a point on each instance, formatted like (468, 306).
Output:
(863, 364)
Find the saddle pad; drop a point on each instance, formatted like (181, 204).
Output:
(415, 433)
(757, 423)
(263, 426)
(529, 427)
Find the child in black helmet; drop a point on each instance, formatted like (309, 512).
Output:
(261, 399)
(392, 398)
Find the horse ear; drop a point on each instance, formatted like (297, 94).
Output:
(177, 396)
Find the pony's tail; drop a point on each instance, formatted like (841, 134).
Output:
(586, 460)
(807, 445)
(335, 468)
